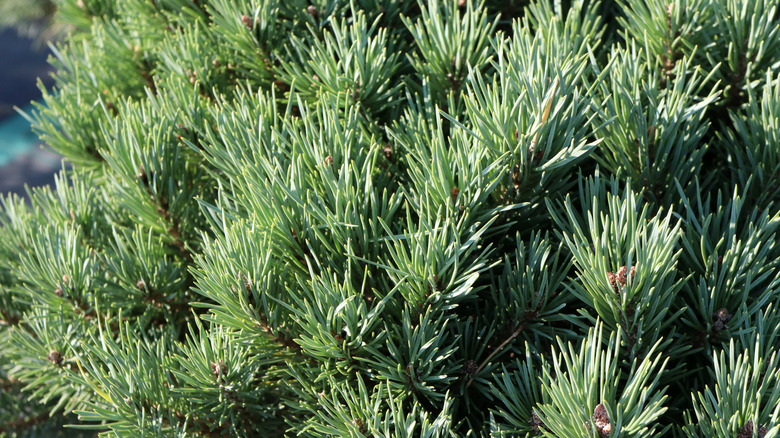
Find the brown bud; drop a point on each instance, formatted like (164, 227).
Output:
(612, 278)
(601, 421)
(357, 422)
(312, 10)
(722, 316)
(247, 21)
(58, 292)
(55, 357)
(622, 275)
(536, 423)
(140, 285)
(65, 279)
(454, 194)
(746, 431)
(470, 367)
(219, 370)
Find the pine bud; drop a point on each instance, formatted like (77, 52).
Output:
(622, 275)
(746, 431)
(612, 278)
(55, 357)
(601, 421)
(140, 285)
(219, 369)
(454, 194)
(536, 423)
(361, 426)
(58, 292)
(312, 10)
(470, 367)
(619, 280)
(247, 22)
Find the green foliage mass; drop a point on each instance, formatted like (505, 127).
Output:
(401, 218)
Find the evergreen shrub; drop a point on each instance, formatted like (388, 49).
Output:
(401, 218)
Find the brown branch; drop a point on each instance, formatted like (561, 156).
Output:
(511, 337)
(163, 209)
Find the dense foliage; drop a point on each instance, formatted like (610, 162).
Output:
(401, 218)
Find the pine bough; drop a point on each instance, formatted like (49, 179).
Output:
(401, 218)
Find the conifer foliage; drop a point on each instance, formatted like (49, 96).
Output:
(401, 218)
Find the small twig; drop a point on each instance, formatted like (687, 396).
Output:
(503, 344)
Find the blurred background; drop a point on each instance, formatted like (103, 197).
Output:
(26, 29)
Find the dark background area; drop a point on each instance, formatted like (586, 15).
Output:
(21, 64)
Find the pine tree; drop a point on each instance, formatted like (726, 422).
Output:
(401, 218)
